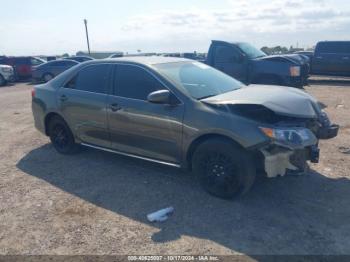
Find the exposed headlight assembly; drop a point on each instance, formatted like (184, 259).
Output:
(290, 137)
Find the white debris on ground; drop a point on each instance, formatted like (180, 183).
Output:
(160, 215)
(340, 106)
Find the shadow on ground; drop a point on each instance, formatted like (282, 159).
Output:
(329, 81)
(291, 215)
(7, 85)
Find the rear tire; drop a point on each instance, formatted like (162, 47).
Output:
(62, 137)
(223, 169)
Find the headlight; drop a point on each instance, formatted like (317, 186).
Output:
(294, 71)
(6, 69)
(297, 136)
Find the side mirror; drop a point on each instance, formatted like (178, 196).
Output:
(159, 97)
(241, 58)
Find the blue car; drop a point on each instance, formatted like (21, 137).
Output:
(47, 71)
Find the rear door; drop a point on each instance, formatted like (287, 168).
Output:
(138, 126)
(227, 59)
(82, 102)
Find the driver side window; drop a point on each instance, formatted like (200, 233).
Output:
(135, 82)
(226, 54)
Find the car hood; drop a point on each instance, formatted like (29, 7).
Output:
(281, 100)
(290, 58)
(5, 66)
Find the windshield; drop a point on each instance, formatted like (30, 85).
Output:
(198, 79)
(251, 51)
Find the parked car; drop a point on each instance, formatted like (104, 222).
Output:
(183, 113)
(22, 65)
(47, 71)
(252, 66)
(49, 58)
(6, 74)
(79, 59)
(308, 54)
(116, 55)
(331, 58)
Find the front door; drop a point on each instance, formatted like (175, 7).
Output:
(83, 104)
(138, 126)
(228, 60)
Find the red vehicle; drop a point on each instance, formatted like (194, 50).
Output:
(22, 65)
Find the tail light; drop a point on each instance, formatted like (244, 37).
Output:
(33, 92)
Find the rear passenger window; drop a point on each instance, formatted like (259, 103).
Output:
(35, 61)
(69, 63)
(334, 47)
(93, 78)
(134, 82)
(56, 63)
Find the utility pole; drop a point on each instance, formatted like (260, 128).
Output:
(87, 35)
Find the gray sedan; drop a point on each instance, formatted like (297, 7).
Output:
(185, 114)
(47, 71)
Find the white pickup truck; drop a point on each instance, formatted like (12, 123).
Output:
(6, 74)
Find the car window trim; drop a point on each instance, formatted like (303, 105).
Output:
(148, 71)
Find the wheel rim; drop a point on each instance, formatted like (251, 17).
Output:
(220, 174)
(48, 77)
(60, 137)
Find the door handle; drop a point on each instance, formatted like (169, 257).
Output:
(63, 98)
(346, 58)
(319, 57)
(115, 107)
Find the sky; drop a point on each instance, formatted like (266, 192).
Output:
(42, 27)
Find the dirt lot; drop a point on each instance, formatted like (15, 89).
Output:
(96, 202)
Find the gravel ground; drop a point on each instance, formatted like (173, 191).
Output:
(97, 202)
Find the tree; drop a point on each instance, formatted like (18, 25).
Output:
(274, 50)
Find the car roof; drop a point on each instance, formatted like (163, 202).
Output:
(78, 56)
(146, 60)
(227, 42)
(59, 60)
(337, 41)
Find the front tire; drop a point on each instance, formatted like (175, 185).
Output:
(223, 169)
(2, 81)
(62, 137)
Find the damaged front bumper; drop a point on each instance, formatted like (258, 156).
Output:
(327, 129)
(284, 156)
(279, 161)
